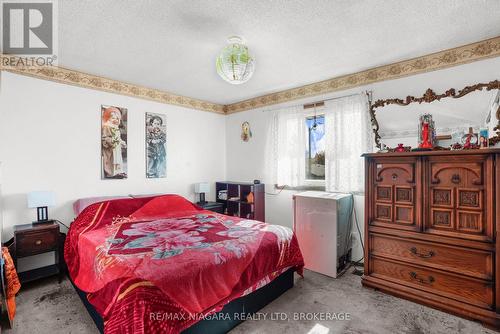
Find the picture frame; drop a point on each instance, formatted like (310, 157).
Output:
(156, 145)
(114, 142)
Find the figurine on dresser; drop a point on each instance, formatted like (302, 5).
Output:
(426, 132)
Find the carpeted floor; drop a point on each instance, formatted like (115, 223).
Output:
(49, 307)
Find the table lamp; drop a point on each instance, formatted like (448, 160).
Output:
(201, 188)
(41, 200)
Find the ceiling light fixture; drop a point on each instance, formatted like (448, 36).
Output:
(234, 64)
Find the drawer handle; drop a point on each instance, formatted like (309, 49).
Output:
(38, 242)
(455, 178)
(414, 251)
(429, 280)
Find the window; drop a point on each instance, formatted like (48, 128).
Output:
(320, 147)
(315, 148)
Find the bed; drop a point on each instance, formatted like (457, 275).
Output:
(163, 265)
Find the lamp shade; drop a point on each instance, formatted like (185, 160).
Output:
(38, 199)
(202, 187)
(234, 64)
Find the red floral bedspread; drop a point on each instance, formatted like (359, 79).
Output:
(159, 264)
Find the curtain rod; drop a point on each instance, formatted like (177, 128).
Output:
(367, 92)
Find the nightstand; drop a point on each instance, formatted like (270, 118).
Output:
(34, 239)
(212, 206)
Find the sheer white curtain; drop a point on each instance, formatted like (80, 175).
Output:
(348, 135)
(288, 146)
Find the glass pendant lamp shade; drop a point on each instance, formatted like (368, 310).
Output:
(234, 64)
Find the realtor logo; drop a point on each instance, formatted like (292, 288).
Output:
(28, 28)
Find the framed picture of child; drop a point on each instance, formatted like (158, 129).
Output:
(156, 142)
(113, 142)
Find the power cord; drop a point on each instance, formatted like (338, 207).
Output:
(348, 238)
(359, 232)
(354, 263)
(61, 223)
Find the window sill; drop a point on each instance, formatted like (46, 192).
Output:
(311, 187)
(301, 188)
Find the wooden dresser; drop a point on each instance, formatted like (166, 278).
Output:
(431, 229)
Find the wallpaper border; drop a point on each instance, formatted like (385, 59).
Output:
(452, 57)
(85, 80)
(448, 58)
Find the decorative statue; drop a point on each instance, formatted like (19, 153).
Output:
(400, 148)
(426, 132)
(470, 140)
(246, 133)
(425, 136)
(468, 144)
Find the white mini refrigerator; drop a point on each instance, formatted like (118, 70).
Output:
(322, 224)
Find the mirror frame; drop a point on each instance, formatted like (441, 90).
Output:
(430, 96)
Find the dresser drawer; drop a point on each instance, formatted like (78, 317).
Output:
(469, 290)
(37, 242)
(471, 262)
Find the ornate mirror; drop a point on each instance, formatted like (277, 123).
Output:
(467, 113)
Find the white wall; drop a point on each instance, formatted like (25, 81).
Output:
(50, 140)
(246, 160)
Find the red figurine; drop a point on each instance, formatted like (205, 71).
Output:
(468, 144)
(425, 137)
(400, 148)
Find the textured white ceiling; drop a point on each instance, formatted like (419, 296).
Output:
(172, 45)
